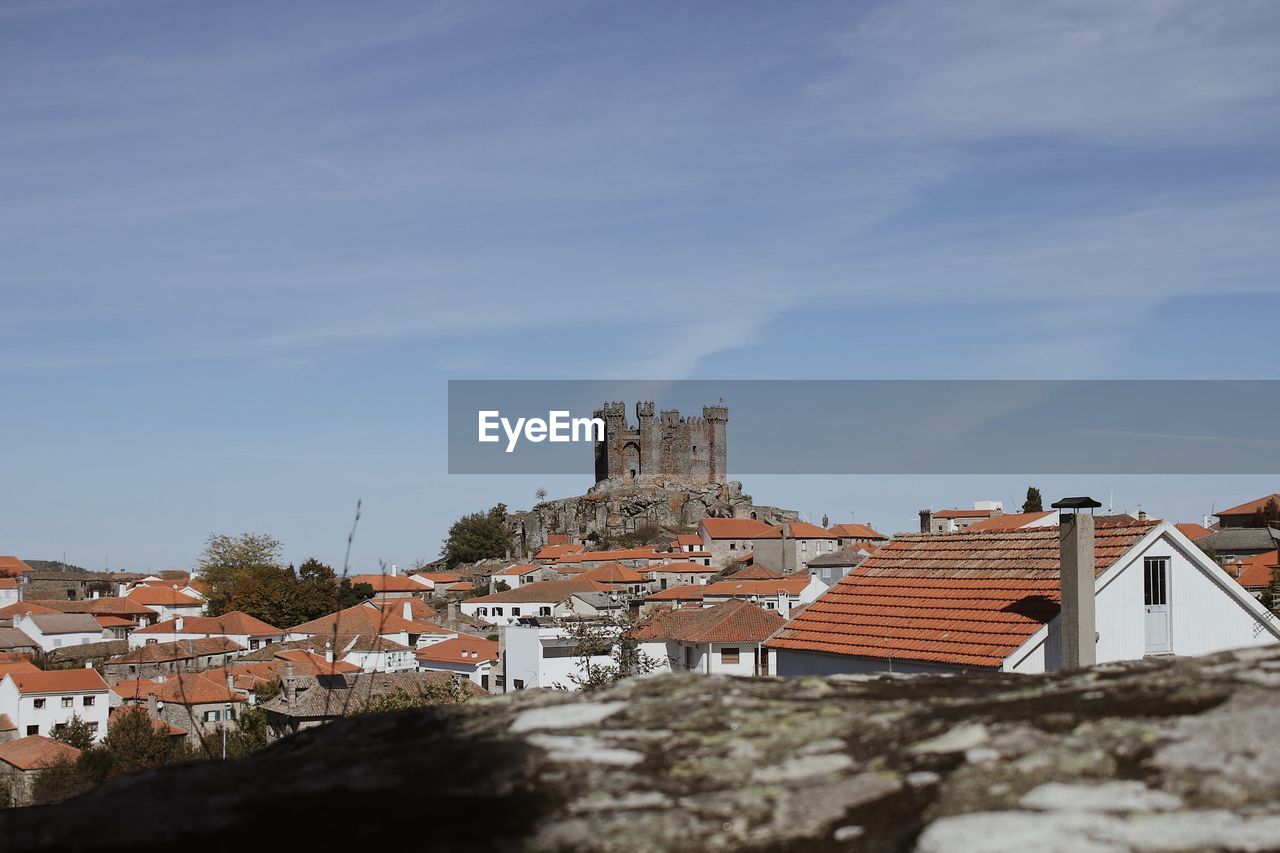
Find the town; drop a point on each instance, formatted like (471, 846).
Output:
(664, 566)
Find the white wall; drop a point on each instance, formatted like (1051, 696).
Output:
(542, 657)
(24, 713)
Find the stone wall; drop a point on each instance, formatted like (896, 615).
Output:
(666, 445)
(1172, 755)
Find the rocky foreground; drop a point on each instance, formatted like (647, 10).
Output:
(1177, 755)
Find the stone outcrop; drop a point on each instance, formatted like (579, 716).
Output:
(612, 508)
(1174, 755)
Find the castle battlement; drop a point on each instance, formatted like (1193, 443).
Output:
(693, 448)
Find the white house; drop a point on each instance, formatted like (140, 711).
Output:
(59, 630)
(41, 703)
(10, 593)
(543, 599)
(990, 601)
(543, 657)
(682, 573)
(466, 655)
(726, 639)
(237, 626)
(168, 602)
(780, 594)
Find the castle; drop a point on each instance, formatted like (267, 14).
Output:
(690, 449)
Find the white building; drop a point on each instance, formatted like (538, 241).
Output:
(989, 601)
(543, 599)
(543, 657)
(727, 639)
(59, 630)
(10, 592)
(166, 601)
(41, 703)
(237, 626)
(465, 654)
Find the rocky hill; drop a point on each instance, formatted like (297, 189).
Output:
(1174, 755)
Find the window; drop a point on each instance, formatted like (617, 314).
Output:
(733, 546)
(39, 703)
(515, 611)
(57, 727)
(544, 611)
(519, 683)
(728, 655)
(151, 641)
(1155, 587)
(57, 643)
(497, 611)
(33, 730)
(93, 727)
(68, 701)
(482, 611)
(212, 716)
(88, 701)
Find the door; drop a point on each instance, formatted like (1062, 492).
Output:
(1156, 597)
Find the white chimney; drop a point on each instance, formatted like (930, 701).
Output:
(177, 625)
(393, 570)
(1078, 582)
(407, 610)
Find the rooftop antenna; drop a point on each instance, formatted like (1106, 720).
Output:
(1111, 502)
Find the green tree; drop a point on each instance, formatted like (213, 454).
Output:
(75, 733)
(1268, 515)
(614, 638)
(350, 594)
(133, 741)
(478, 536)
(227, 561)
(1033, 503)
(59, 781)
(318, 590)
(444, 692)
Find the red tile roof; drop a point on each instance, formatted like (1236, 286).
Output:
(178, 650)
(1193, 531)
(553, 551)
(438, 577)
(518, 569)
(162, 596)
(684, 567)
(964, 598)
(689, 539)
(388, 583)
(36, 751)
(12, 567)
(856, 531)
(688, 592)
(610, 556)
(963, 513)
(459, 650)
(731, 622)
(236, 622)
(738, 528)
(613, 573)
(1253, 572)
(18, 666)
(792, 584)
(805, 530)
(1009, 521)
(541, 592)
(1247, 508)
(58, 681)
(105, 606)
(8, 583)
(186, 688)
(23, 608)
(360, 619)
(754, 572)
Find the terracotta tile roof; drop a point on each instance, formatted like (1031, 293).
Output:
(613, 573)
(460, 650)
(388, 583)
(58, 681)
(162, 596)
(1193, 531)
(792, 584)
(7, 724)
(307, 662)
(684, 567)
(359, 619)
(15, 638)
(235, 622)
(115, 622)
(185, 688)
(745, 557)
(805, 530)
(688, 592)
(1010, 521)
(1247, 508)
(689, 539)
(541, 592)
(18, 666)
(610, 556)
(11, 566)
(552, 552)
(36, 751)
(8, 583)
(738, 528)
(178, 650)
(754, 573)
(957, 598)
(964, 513)
(518, 569)
(731, 622)
(22, 608)
(1253, 572)
(856, 531)
(438, 577)
(106, 606)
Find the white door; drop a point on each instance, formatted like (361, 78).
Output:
(1156, 597)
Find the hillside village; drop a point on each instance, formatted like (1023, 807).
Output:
(975, 590)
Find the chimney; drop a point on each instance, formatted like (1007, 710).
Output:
(231, 683)
(1142, 515)
(1239, 568)
(407, 610)
(453, 611)
(153, 705)
(178, 624)
(926, 520)
(290, 688)
(1078, 582)
(88, 664)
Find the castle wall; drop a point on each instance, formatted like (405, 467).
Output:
(667, 445)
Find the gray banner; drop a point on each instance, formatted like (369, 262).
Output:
(872, 426)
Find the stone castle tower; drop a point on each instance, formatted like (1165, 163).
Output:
(690, 449)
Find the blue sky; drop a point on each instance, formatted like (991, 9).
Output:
(244, 245)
